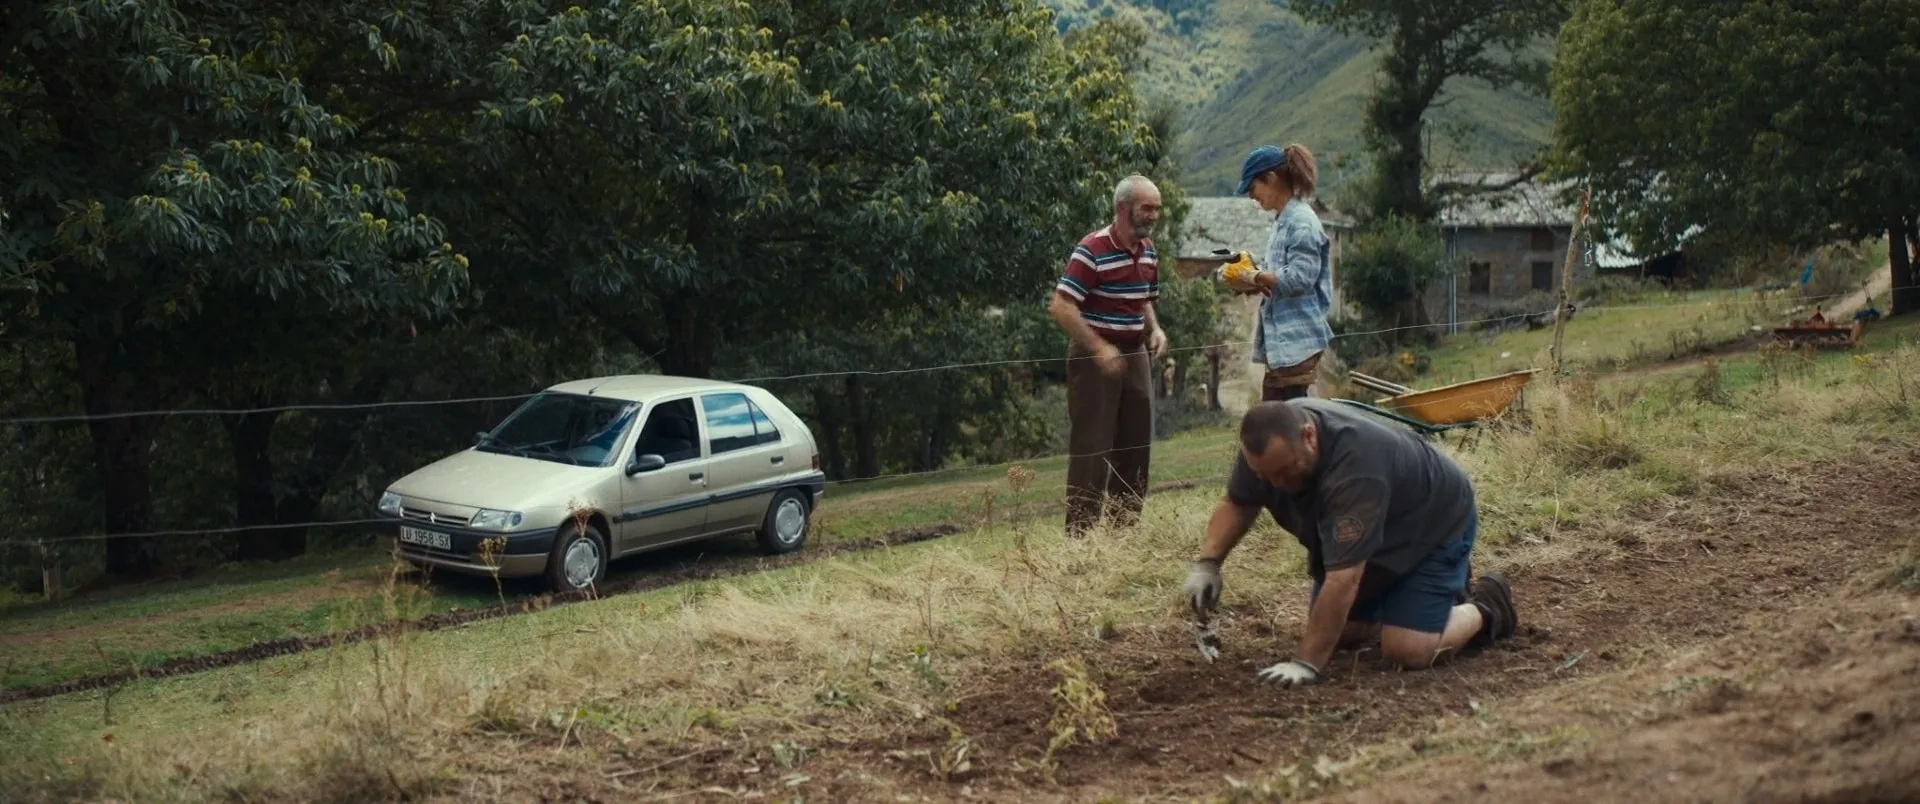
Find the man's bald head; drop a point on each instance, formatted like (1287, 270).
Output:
(1281, 442)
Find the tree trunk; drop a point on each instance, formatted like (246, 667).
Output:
(1213, 380)
(1180, 377)
(866, 451)
(256, 503)
(693, 340)
(939, 441)
(1411, 323)
(332, 444)
(113, 381)
(828, 412)
(1906, 297)
(1395, 116)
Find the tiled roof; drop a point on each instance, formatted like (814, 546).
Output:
(1237, 224)
(1234, 224)
(1530, 203)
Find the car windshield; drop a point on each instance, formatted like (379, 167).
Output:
(565, 428)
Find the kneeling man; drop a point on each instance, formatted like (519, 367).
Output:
(1388, 522)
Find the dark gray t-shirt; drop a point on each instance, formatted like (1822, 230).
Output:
(1380, 494)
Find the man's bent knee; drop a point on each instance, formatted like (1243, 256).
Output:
(1409, 648)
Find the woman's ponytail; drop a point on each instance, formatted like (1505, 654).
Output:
(1300, 173)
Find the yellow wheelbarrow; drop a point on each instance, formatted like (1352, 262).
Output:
(1437, 410)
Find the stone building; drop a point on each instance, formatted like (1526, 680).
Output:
(1512, 245)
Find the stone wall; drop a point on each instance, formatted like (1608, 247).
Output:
(1503, 266)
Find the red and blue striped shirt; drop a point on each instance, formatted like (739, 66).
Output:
(1112, 285)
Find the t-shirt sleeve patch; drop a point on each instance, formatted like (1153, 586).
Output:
(1349, 530)
(1353, 521)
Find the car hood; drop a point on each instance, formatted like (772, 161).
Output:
(477, 479)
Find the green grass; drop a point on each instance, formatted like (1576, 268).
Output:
(859, 644)
(316, 595)
(1655, 328)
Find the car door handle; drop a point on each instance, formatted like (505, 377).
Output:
(697, 476)
(779, 459)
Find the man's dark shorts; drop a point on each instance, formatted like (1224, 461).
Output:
(1423, 599)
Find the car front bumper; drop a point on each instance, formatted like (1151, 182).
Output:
(513, 555)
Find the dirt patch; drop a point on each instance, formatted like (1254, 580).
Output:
(1833, 715)
(1727, 566)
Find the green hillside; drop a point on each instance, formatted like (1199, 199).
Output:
(1249, 72)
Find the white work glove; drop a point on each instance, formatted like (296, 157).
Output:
(1239, 273)
(1291, 673)
(1203, 585)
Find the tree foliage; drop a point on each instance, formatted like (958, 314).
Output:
(169, 169)
(1426, 45)
(1389, 264)
(1792, 122)
(227, 205)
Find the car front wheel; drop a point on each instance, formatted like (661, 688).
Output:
(785, 528)
(579, 559)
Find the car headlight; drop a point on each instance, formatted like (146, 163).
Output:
(390, 504)
(487, 519)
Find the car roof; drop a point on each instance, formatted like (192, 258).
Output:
(643, 387)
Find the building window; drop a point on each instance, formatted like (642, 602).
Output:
(1543, 240)
(1480, 277)
(1542, 275)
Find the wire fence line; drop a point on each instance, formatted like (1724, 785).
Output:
(365, 522)
(86, 417)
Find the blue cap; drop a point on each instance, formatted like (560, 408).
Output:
(1263, 159)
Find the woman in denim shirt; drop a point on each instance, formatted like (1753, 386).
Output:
(1297, 278)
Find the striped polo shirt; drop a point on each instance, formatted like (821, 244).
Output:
(1112, 285)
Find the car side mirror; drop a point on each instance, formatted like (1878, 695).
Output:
(480, 438)
(646, 463)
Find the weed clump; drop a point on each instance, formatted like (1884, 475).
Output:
(1080, 713)
(1905, 575)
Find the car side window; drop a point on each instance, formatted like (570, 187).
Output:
(729, 422)
(671, 432)
(763, 429)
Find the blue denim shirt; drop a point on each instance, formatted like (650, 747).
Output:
(1293, 319)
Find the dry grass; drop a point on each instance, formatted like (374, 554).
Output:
(875, 639)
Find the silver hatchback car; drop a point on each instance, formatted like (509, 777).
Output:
(592, 470)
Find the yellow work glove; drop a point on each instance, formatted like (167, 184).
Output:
(1239, 273)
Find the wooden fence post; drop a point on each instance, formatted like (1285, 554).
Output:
(1566, 285)
(49, 572)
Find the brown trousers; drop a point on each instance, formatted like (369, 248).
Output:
(1111, 440)
(1290, 382)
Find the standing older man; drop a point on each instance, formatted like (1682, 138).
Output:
(1104, 302)
(1388, 523)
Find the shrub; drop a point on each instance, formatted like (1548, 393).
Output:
(1389, 266)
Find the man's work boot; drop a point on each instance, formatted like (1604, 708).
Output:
(1494, 598)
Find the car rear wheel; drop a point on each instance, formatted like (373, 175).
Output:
(785, 528)
(579, 559)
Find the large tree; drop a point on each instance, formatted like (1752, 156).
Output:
(1425, 44)
(1789, 121)
(690, 173)
(168, 170)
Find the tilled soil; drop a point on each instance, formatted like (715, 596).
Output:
(1728, 566)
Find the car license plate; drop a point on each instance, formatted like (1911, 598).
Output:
(426, 538)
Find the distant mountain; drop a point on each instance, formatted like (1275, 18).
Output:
(1249, 72)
